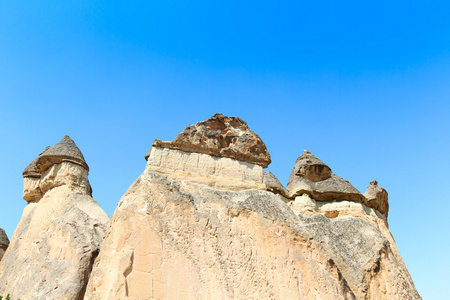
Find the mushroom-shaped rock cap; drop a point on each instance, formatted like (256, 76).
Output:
(311, 176)
(310, 167)
(223, 137)
(4, 241)
(30, 170)
(377, 197)
(65, 150)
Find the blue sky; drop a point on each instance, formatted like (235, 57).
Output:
(364, 85)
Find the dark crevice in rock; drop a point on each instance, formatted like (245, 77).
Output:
(87, 274)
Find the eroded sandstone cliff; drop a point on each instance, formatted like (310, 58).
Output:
(208, 225)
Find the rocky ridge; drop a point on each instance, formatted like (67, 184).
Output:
(187, 229)
(203, 221)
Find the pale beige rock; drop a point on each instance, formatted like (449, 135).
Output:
(58, 237)
(31, 190)
(303, 205)
(177, 239)
(220, 173)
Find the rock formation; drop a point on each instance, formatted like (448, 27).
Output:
(204, 221)
(221, 136)
(377, 197)
(4, 242)
(311, 176)
(59, 235)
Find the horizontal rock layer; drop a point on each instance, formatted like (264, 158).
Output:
(218, 172)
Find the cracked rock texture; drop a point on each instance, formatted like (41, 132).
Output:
(4, 242)
(221, 136)
(59, 235)
(173, 238)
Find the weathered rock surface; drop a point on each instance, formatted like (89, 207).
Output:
(203, 221)
(59, 235)
(65, 150)
(221, 136)
(220, 173)
(377, 197)
(312, 177)
(274, 185)
(310, 167)
(4, 242)
(31, 170)
(173, 238)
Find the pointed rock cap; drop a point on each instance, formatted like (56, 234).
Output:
(312, 177)
(65, 150)
(221, 136)
(310, 167)
(30, 170)
(377, 197)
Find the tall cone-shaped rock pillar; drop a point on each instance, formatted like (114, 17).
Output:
(205, 221)
(53, 248)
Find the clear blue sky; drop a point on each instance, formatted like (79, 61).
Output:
(364, 85)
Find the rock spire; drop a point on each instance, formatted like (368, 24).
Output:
(53, 248)
(65, 151)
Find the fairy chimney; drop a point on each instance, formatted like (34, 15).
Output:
(59, 235)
